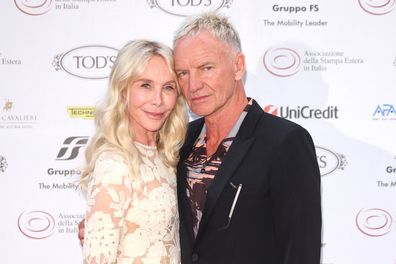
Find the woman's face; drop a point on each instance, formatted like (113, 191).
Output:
(151, 98)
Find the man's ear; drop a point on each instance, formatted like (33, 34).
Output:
(239, 66)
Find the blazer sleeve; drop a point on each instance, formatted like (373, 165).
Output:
(296, 199)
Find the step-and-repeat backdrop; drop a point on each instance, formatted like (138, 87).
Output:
(327, 65)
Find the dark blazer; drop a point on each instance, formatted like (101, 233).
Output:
(277, 217)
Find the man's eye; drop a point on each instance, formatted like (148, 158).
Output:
(208, 68)
(181, 74)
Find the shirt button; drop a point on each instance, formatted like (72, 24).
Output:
(203, 170)
(194, 257)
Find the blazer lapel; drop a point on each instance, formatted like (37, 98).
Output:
(238, 149)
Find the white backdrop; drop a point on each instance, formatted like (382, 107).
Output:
(328, 65)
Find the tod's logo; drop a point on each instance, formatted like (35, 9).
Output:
(188, 7)
(88, 62)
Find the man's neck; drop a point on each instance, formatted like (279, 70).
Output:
(218, 126)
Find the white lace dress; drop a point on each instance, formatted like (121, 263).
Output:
(131, 220)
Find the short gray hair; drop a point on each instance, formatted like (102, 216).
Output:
(213, 22)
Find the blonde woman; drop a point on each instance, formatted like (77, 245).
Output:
(132, 214)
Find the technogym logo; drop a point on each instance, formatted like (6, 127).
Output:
(188, 7)
(303, 112)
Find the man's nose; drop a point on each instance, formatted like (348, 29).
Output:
(194, 82)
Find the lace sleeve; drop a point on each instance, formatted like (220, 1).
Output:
(109, 196)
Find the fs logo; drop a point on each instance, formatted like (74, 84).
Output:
(377, 7)
(374, 222)
(188, 7)
(71, 148)
(87, 62)
(36, 224)
(385, 111)
(33, 7)
(282, 62)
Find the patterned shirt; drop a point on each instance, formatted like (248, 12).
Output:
(202, 169)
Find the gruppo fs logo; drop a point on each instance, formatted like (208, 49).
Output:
(71, 147)
(33, 7)
(282, 62)
(377, 7)
(374, 222)
(88, 62)
(36, 224)
(188, 7)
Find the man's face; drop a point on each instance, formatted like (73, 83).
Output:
(206, 71)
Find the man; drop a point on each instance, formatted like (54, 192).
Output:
(248, 182)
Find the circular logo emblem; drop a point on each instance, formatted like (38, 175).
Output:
(282, 62)
(33, 7)
(377, 7)
(374, 222)
(36, 224)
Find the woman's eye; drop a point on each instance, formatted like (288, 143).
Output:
(146, 85)
(169, 87)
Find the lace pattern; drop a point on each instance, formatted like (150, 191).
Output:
(129, 221)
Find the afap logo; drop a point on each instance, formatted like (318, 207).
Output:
(374, 222)
(88, 62)
(384, 112)
(36, 224)
(329, 161)
(34, 7)
(377, 7)
(282, 62)
(188, 7)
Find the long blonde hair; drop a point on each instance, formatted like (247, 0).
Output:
(113, 131)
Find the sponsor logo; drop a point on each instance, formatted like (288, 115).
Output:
(36, 224)
(11, 118)
(374, 222)
(88, 62)
(7, 105)
(34, 7)
(71, 147)
(329, 161)
(384, 112)
(377, 7)
(282, 62)
(303, 112)
(84, 112)
(3, 164)
(188, 7)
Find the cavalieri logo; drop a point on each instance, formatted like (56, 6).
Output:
(88, 62)
(12, 116)
(188, 7)
(377, 7)
(3, 164)
(303, 112)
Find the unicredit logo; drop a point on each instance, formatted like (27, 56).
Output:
(89, 62)
(188, 7)
(33, 7)
(377, 7)
(374, 222)
(36, 224)
(282, 62)
(303, 112)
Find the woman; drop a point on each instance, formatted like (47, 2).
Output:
(132, 214)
